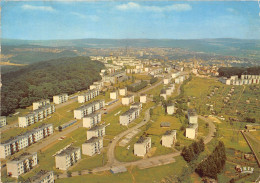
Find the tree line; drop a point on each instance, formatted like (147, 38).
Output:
(45, 79)
(232, 71)
(214, 163)
(137, 86)
(192, 151)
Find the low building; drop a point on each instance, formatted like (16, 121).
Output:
(166, 81)
(90, 94)
(22, 164)
(92, 146)
(163, 94)
(126, 100)
(129, 116)
(137, 105)
(92, 120)
(169, 138)
(192, 116)
(168, 91)
(88, 109)
(191, 131)
(43, 176)
(67, 158)
(20, 142)
(142, 146)
(96, 131)
(36, 115)
(113, 95)
(123, 91)
(170, 109)
(143, 98)
(66, 125)
(40, 103)
(165, 124)
(2, 121)
(59, 99)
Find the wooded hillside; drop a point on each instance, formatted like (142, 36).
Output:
(46, 79)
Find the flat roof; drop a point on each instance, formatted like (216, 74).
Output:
(193, 125)
(89, 104)
(44, 107)
(40, 175)
(68, 150)
(128, 96)
(192, 112)
(88, 92)
(92, 115)
(42, 100)
(22, 157)
(96, 127)
(170, 132)
(142, 140)
(93, 139)
(60, 94)
(130, 111)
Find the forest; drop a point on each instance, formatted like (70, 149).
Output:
(231, 71)
(45, 79)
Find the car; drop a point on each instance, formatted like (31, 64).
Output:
(105, 112)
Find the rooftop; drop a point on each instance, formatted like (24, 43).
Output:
(170, 132)
(130, 111)
(68, 151)
(193, 125)
(22, 157)
(143, 140)
(97, 127)
(42, 100)
(192, 112)
(93, 139)
(92, 115)
(40, 175)
(89, 104)
(128, 96)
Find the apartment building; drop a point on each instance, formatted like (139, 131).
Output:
(192, 116)
(142, 146)
(19, 142)
(137, 105)
(191, 131)
(2, 121)
(92, 146)
(169, 138)
(43, 176)
(59, 99)
(90, 94)
(122, 91)
(114, 77)
(67, 157)
(88, 109)
(163, 94)
(22, 164)
(92, 120)
(126, 100)
(96, 131)
(166, 81)
(143, 98)
(168, 91)
(36, 115)
(129, 116)
(170, 109)
(114, 95)
(40, 103)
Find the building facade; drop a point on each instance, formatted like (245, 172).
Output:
(92, 146)
(129, 116)
(142, 146)
(114, 95)
(43, 176)
(96, 131)
(40, 103)
(191, 131)
(170, 109)
(36, 115)
(88, 109)
(123, 91)
(192, 116)
(21, 164)
(59, 99)
(20, 142)
(67, 158)
(126, 100)
(90, 94)
(2, 121)
(169, 138)
(92, 120)
(143, 98)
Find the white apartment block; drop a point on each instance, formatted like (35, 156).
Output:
(59, 99)
(87, 109)
(168, 91)
(113, 95)
(137, 105)
(244, 80)
(122, 91)
(142, 146)
(192, 116)
(169, 138)
(166, 81)
(163, 94)
(36, 115)
(96, 131)
(174, 75)
(129, 116)
(92, 146)
(90, 94)
(21, 164)
(67, 158)
(43, 176)
(191, 131)
(126, 100)
(2, 121)
(14, 145)
(92, 120)
(143, 98)
(170, 109)
(40, 103)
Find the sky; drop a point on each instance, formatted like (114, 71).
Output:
(47, 20)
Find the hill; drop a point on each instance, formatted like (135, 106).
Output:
(46, 79)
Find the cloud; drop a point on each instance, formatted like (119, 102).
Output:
(38, 8)
(93, 18)
(136, 6)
